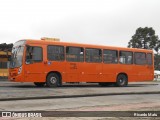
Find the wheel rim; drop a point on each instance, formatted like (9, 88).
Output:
(122, 81)
(53, 80)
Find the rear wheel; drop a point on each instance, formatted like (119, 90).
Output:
(52, 80)
(39, 84)
(122, 80)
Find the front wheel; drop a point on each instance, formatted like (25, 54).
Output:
(52, 80)
(122, 80)
(39, 84)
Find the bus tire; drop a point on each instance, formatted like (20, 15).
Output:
(39, 84)
(122, 80)
(52, 80)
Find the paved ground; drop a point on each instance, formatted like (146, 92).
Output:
(102, 103)
(142, 96)
(10, 90)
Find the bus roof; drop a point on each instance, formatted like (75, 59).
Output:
(31, 41)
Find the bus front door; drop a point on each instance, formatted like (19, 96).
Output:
(34, 65)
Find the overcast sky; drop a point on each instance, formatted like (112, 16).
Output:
(103, 22)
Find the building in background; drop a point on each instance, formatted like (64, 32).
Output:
(5, 54)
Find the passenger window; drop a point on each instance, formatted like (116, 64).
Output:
(140, 58)
(125, 57)
(75, 54)
(93, 55)
(110, 56)
(33, 54)
(55, 53)
(149, 59)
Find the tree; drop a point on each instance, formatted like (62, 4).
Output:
(144, 38)
(157, 62)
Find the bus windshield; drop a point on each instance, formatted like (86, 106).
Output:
(17, 54)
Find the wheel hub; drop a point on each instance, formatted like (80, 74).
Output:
(121, 81)
(53, 80)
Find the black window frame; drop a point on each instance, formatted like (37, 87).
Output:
(93, 61)
(116, 59)
(56, 46)
(78, 60)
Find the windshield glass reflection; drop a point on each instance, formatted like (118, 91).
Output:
(17, 55)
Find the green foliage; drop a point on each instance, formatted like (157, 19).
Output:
(144, 38)
(157, 62)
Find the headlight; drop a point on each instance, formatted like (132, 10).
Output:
(20, 70)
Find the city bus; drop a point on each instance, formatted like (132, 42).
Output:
(52, 63)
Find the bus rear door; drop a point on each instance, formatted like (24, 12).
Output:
(150, 67)
(141, 66)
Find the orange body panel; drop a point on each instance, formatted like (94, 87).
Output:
(80, 71)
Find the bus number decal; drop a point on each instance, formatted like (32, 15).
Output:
(73, 66)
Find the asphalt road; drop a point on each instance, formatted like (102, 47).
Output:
(103, 103)
(142, 96)
(15, 91)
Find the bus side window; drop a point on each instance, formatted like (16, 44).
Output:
(33, 54)
(126, 57)
(74, 54)
(93, 55)
(110, 56)
(55, 53)
(140, 58)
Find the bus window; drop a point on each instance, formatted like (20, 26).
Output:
(125, 57)
(110, 56)
(149, 59)
(33, 54)
(55, 53)
(75, 54)
(93, 55)
(140, 58)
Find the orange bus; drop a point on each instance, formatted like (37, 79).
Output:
(52, 63)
